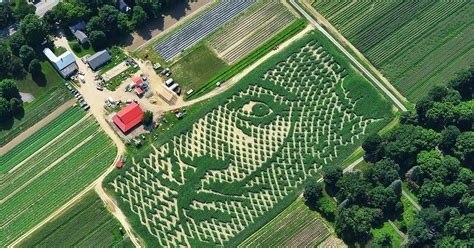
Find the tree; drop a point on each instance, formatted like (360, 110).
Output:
(384, 240)
(147, 118)
(440, 114)
(384, 172)
(122, 23)
(332, 174)
(327, 208)
(5, 56)
(75, 46)
(422, 106)
(354, 188)
(94, 24)
(5, 112)
(425, 227)
(373, 147)
(22, 9)
(109, 18)
(34, 30)
(139, 16)
(438, 92)
(16, 41)
(15, 67)
(153, 8)
(448, 138)
(50, 18)
(27, 54)
(34, 67)
(454, 192)
(16, 105)
(312, 191)
(465, 176)
(464, 148)
(464, 82)
(431, 193)
(383, 198)
(409, 117)
(6, 15)
(8, 89)
(465, 115)
(354, 223)
(98, 40)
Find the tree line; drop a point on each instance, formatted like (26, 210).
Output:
(432, 150)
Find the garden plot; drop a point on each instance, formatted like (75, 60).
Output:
(251, 30)
(39, 183)
(250, 151)
(200, 27)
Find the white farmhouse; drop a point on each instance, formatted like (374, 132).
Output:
(65, 63)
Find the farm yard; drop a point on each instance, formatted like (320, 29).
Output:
(87, 223)
(415, 44)
(47, 169)
(41, 107)
(240, 160)
(250, 30)
(297, 226)
(200, 27)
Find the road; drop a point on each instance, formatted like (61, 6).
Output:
(350, 57)
(44, 5)
(417, 206)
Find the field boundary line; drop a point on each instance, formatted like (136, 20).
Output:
(359, 65)
(60, 159)
(43, 122)
(47, 144)
(67, 204)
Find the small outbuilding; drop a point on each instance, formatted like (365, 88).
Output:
(99, 59)
(65, 63)
(78, 32)
(138, 81)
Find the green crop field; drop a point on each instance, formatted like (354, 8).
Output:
(34, 185)
(297, 226)
(87, 223)
(34, 112)
(239, 161)
(415, 44)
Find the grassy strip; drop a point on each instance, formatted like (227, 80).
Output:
(116, 81)
(287, 33)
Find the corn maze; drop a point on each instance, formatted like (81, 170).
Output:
(293, 115)
(251, 30)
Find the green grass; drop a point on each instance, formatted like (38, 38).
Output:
(40, 86)
(87, 223)
(196, 68)
(59, 50)
(397, 240)
(83, 51)
(117, 57)
(34, 112)
(40, 138)
(208, 126)
(287, 225)
(408, 191)
(51, 177)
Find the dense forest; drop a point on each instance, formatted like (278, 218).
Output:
(432, 151)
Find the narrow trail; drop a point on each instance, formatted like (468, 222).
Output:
(413, 202)
(350, 57)
(22, 136)
(402, 234)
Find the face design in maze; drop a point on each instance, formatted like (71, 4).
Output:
(246, 155)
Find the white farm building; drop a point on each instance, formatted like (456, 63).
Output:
(65, 63)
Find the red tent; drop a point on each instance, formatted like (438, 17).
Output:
(139, 91)
(119, 164)
(128, 117)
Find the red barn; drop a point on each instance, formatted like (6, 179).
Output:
(128, 117)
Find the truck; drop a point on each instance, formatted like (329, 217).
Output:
(169, 82)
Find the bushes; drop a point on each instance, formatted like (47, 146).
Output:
(75, 46)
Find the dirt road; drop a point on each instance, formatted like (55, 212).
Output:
(18, 139)
(350, 57)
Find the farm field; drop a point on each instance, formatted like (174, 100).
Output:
(85, 224)
(332, 242)
(243, 158)
(297, 226)
(199, 28)
(39, 108)
(49, 171)
(250, 30)
(415, 44)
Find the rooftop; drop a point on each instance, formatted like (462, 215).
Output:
(128, 117)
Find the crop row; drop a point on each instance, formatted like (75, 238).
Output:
(51, 190)
(329, 8)
(200, 27)
(262, 33)
(350, 13)
(245, 25)
(37, 163)
(34, 112)
(40, 138)
(412, 31)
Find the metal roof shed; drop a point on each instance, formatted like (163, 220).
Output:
(98, 59)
